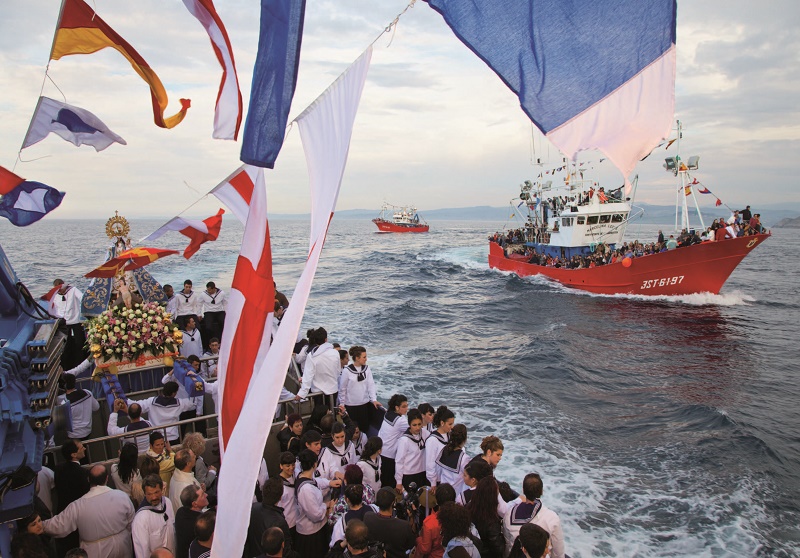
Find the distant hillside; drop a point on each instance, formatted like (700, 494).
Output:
(788, 223)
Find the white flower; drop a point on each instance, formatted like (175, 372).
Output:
(123, 325)
(158, 318)
(104, 338)
(138, 320)
(137, 335)
(119, 349)
(116, 329)
(109, 351)
(141, 345)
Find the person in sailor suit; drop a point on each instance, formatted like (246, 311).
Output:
(188, 304)
(334, 458)
(443, 419)
(322, 368)
(82, 404)
(312, 511)
(394, 425)
(192, 339)
(410, 457)
(357, 389)
(212, 311)
(452, 460)
(65, 302)
(532, 510)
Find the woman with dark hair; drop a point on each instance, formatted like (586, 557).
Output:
(353, 475)
(428, 412)
(443, 421)
(456, 540)
(394, 425)
(482, 508)
(452, 459)
(474, 472)
(357, 388)
(290, 432)
(370, 463)
(32, 525)
(125, 474)
(410, 457)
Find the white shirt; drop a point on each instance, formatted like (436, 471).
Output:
(334, 459)
(433, 447)
(312, 511)
(180, 480)
(213, 303)
(546, 518)
(150, 530)
(67, 306)
(172, 306)
(208, 369)
(322, 370)
(187, 304)
(390, 431)
(165, 410)
(370, 469)
(47, 483)
(142, 440)
(288, 502)
(453, 476)
(353, 392)
(103, 516)
(410, 457)
(82, 405)
(192, 343)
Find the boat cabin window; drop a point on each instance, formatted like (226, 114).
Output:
(581, 220)
(605, 218)
(592, 219)
(566, 221)
(616, 218)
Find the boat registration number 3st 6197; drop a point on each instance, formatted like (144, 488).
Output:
(663, 282)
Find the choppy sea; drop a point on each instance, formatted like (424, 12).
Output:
(661, 427)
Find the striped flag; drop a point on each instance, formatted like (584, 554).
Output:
(198, 232)
(237, 190)
(81, 31)
(228, 112)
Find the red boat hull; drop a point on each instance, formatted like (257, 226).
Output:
(693, 269)
(388, 226)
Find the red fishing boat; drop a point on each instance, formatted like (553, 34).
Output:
(403, 219)
(577, 240)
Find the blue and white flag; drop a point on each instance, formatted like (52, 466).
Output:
(74, 124)
(29, 202)
(274, 80)
(589, 74)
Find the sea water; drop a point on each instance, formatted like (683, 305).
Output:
(665, 426)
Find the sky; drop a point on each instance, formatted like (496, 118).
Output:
(436, 127)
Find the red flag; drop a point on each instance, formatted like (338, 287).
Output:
(248, 327)
(8, 181)
(236, 190)
(199, 232)
(719, 202)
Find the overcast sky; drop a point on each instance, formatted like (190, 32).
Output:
(435, 128)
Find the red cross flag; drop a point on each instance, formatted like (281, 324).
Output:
(198, 232)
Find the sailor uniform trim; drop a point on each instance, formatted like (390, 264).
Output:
(361, 375)
(450, 461)
(78, 396)
(375, 466)
(524, 512)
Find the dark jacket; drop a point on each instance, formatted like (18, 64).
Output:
(492, 541)
(262, 517)
(72, 482)
(184, 530)
(395, 533)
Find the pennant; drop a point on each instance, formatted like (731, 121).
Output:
(198, 232)
(719, 202)
(237, 190)
(76, 125)
(81, 31)
(704, 190)
(687, 190)
(274, 80)
(615, 96)
(29, 202)
(695, 181)
(8, 181)
(325, 128)
(228, 112)
(670, 142)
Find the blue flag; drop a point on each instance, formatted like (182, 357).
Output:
(589, 74)
(29, 202)
(274, 80)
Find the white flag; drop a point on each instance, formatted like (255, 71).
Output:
(74, 124)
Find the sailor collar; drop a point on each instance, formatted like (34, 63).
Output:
(361, 374)
(185, 296)
(524, 512)
(416, 439)
(212, 297)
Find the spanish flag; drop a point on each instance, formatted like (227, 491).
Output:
(81, 31)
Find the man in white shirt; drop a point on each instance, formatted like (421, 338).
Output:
(66, 303)
(165, 409)
(212, 311)
(103, 517)
(134, 411)
(322, 369)
(172, 301)
(531, 510)
(154, 524)
(188, 304)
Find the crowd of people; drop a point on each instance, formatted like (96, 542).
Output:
(740, 223)
(339, 491)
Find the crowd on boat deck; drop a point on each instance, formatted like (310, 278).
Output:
(560, 204)
(359, 479)
(740, 223)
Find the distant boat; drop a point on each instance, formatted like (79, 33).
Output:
(403, 219)
(576, 239)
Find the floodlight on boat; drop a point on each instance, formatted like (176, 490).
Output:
(671, 164)
(547, 185)
(693, 162)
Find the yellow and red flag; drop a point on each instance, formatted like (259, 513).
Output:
(81, 31)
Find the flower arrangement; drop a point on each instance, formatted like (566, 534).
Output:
(127, 334)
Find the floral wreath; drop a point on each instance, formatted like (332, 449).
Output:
(126, 334)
